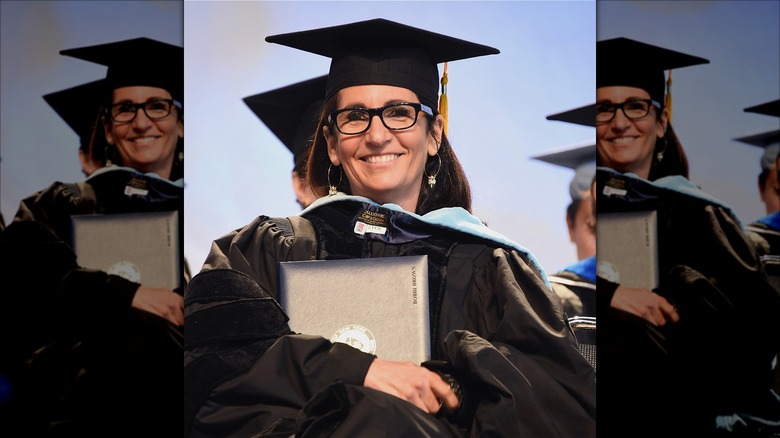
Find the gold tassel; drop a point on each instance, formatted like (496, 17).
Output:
(443, 99)
(668, 100)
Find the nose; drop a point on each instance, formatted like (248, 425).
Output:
(141, 121)
(377, 131)
(620, 120)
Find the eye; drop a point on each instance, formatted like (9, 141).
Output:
(355, 115)
(124, 107)
(604, 107)
(157, 105)
(400, 111)
(635, 105)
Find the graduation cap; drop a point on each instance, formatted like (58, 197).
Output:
(138, 62)
(79, 107)
(581, 158)
(584, 115)
(768, 140)
(769, 108)
(383, 52)
(630, 63)
(291, 112)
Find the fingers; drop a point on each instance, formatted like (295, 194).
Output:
(444, 394)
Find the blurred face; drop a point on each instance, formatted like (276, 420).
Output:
(581, 232)
(768, 192)
(145, 144)
(381, 164)
(623, 144)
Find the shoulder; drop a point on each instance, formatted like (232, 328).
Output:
(283, 238)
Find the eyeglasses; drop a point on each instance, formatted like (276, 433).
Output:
(633, 109)
(396, 116)
(155, 109)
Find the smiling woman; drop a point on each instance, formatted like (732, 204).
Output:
(502, 357)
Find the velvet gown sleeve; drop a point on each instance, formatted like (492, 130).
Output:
(281, 370)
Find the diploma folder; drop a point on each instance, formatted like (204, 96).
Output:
(141, 247)
(377, 305)
(627, 248)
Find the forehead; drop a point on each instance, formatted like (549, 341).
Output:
(374, 95)
(138, 94)
(620, 93)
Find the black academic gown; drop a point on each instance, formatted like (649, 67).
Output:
(79, 358)
(494, 320)
(717, 359)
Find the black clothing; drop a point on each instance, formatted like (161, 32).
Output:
(494, 320)
(81, 360)
(716, 360)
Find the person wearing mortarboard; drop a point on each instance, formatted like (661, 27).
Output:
(576, 283)
(97, 352)
(80, 107)
(380, 157)
(292, 114)
(695, 352)
(765, 227)
(769, 142)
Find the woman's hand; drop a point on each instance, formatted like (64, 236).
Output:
(161, 302)
(413, 383)
(646, 304)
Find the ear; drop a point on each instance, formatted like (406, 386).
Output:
(570, 226)
(107, 130)
(180, 128)
(434, 142)
(662, 123)
(332, 146)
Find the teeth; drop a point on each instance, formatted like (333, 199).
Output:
(382, 158)
(144, 140)
(623, 140)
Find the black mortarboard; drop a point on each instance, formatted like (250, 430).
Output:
(383, 52)
(769, 108)
(291, 112)
(79, 107)
(138, 62)
(626, 62)
(769, 140)
(581, 158)
(584, 115)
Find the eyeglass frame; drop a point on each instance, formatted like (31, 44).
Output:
(142, 106)
(622, 106)
(418, 106)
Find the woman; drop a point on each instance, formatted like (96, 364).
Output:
(499, 336)
(712, 291)
(102, 352)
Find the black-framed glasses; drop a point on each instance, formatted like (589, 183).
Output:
(633, 109)
(155, 109)
(396, 116)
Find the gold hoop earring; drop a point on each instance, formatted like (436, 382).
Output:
(432, 178)
(334, 189)
(660, 155)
